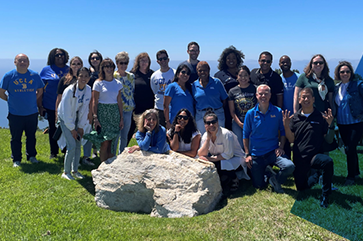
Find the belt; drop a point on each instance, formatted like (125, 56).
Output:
(206, 109)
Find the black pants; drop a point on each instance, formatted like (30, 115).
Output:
(17, 125)
(54, 149)
(224, 176)
(351, 135)
(302, 172)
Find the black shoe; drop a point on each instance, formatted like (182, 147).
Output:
(324, 201)
(349, 182)
(52, 156)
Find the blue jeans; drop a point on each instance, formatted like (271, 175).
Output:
(124, 132)
(259, 164)
(71, 159)
(17, 125)
(200, 122)
(238, 131)
(87, 149)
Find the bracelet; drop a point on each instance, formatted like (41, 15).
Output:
(177, 132)
(94, 116)
(247, 155)
(149, 132)
(168, 121)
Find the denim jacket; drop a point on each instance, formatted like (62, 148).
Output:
(354, 96)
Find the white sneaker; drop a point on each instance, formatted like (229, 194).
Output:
(77, 175)
(16, 164)
(33, 160)
(67, 176)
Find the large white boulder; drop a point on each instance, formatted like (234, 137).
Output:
(164, 185)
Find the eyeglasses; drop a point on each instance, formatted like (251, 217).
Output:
(107, 66)
(76, 64)
(59, 55)
(318, 63)
(210, 122)
(344, 72)
(163, 58)
(265, 61)
(123, 63)
(184, 117)
(95, 58)
(185, 72)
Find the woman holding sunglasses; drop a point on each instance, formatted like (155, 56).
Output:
(107, 111)
(316, 76)
(183, 135)
(178, 95)
(51, 74)
(349, 113)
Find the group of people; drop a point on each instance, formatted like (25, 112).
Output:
(243, 121)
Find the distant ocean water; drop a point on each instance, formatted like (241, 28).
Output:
(38, 64)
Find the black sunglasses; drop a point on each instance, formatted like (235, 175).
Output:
(95, 58)
(123, 63)
(185, 72)
(107, 66)
(210, 122)
(345, 72)
(59, 55)
(163, 58)
(318, 63)
(184, 117)
(265, 61)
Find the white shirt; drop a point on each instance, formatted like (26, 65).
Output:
(108, 91)
(158, 83)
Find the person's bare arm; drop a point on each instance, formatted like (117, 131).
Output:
(167, 100)
(194, 147)
(3, 95)
(296, 99)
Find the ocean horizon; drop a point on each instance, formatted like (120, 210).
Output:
(38, 64)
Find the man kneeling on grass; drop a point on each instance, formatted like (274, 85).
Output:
(306, 129)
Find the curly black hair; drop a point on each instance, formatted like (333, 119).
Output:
(231, 49)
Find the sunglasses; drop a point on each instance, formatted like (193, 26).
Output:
(210, 122)
(163, 58)
(185, 72)
(344, 72)
(59, 55)
(123, 63)
(265, 61)
(318, 63)
(95, 58)
(184, 117)
(76, 64)
(107, 66)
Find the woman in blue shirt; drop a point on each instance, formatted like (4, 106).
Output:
(151, 136)
(51, 74)
(178, 95)
(349, 113)
(209, 94)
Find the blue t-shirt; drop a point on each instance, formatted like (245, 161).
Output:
(51, 76)
(179, 99)
(262, 130)
(21, 88)
(289, 88)
(211, 96)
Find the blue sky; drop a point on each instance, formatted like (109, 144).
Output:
(299, 29)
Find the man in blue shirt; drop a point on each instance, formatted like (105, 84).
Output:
(24, 88)
(289, 79)
(261, 131)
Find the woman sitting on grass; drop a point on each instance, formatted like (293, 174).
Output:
(72, 114)
(183, 135)
(151, 136)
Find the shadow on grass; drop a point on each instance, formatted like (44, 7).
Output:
(341, 206)
(51, 168)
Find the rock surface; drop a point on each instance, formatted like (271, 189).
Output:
(172, 185)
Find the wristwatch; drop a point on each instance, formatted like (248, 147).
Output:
(247, 155)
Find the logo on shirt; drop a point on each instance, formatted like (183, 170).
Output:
(23, 84)
(272, 116)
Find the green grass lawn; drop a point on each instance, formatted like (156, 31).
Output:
(37, 204)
